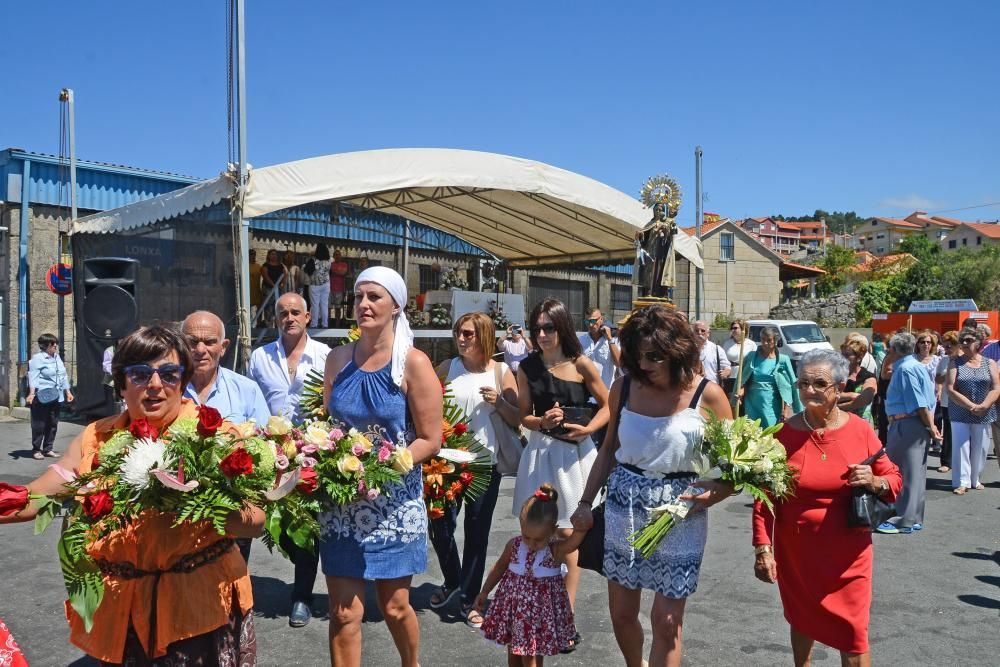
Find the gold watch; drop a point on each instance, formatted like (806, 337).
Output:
(762, 549)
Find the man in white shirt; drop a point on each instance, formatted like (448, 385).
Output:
(714, 361)
(602, 348)
(279, 369)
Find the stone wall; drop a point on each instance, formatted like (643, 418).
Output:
(835, 311)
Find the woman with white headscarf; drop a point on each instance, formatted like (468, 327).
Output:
(380, 384)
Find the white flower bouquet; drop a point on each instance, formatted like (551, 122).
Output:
(748, 456)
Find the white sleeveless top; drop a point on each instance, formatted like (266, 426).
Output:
(661, 444)
(464, 388)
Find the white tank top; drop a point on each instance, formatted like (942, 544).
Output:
(662, 444)
(465, 386)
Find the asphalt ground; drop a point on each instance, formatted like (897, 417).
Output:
(936, 592)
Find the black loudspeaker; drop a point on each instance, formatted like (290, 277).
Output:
(110, 297)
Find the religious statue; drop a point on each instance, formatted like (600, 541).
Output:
(655, 243)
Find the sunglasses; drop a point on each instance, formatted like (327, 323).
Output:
(465, 333)
(548, 329)
(653, 357)
(968, 341)
(924, 342)
(592, 320)
(818, 385)
(141, 374)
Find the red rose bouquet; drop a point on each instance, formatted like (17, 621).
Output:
(461, 470)
(194, 470)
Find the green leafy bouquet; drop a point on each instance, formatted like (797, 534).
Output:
(194, 470)
(748, 456)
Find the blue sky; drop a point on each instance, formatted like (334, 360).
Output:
(881, 108)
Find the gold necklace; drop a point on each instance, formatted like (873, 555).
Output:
(820, 431)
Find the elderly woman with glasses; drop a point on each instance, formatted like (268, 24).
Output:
(481, 387)
(822, 566)
(927, 354)
(201, 616)
(973, 388)
(768, 388)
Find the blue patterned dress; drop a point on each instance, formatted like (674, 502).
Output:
(383, 538)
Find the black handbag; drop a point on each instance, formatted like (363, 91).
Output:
(591, 550)
(867, 509)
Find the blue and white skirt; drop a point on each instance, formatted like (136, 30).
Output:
(385, 538)
(673, 568)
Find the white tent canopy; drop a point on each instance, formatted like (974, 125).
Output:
(524, 212)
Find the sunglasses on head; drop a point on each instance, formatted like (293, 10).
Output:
(548, 329)
(141, 374)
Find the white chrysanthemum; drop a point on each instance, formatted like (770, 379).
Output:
(143, 457)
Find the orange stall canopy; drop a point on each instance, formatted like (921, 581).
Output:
(939, 316)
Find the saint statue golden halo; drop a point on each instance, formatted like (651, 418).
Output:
(661, 189)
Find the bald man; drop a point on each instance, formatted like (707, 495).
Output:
(280, 368)
(237, 398)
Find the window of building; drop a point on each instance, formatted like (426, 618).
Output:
(880, 236)
(429, 278)
(952, 244)
(874, 223)
(621, 298)
(572, 293)
(965, 241)
(979, 240)
(880, 251)
(727, 247)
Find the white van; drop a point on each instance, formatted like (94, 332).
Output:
(796, 336)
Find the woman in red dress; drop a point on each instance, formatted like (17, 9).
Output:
(823, 567)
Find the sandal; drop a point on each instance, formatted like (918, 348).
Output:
(979, 487)
(574, 643)
(442, 596)
(473, 618)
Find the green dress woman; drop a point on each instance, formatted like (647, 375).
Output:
(768, 382)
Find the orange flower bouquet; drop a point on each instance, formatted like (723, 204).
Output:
(462, 468)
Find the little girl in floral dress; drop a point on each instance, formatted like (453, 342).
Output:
(530, 613)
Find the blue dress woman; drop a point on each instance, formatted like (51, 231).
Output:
(382, 386)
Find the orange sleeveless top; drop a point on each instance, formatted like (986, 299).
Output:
(188, 604)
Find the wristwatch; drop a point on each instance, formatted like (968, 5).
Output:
(883, 486)
(763, 549)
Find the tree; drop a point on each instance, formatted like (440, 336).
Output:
(835, 263)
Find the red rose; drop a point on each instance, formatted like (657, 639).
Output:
(460, 428)
(142, 429)
(308, 481)
(13, 498)
(239, 462)
(98, 505)
(466, 477)
(209, 421)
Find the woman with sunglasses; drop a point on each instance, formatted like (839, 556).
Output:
(973, 388)
(927, 354)
(861, 385)
(554, 387)
(768, 389)
(47, 385)
(648, 458)
(823, 567)
(480, 386)
(151, 367)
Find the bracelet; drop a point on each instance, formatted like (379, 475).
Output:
(762, 549)
(584, 501)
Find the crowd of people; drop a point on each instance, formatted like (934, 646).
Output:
(609, 418)
(321, 281)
